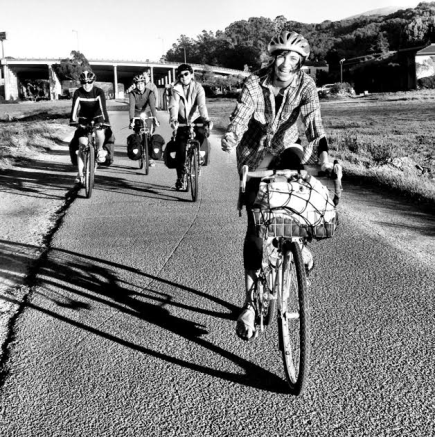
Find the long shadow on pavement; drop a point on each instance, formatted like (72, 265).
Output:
(70, 280)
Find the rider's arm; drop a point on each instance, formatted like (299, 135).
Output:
(200, 101)
(104, 107)
(74, 107)
(152, 103)
(174, 104)
(241, 115)
(132, 103)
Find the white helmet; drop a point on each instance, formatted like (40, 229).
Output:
(289, 41)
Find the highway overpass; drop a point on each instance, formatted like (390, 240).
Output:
(17, 70)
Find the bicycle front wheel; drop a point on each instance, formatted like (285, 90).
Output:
(194, 174)
(89, 170)
(145, 157)
(293, 318)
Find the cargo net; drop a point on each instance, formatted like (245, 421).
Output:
(294, 209)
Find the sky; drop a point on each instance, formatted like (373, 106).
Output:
(144, 29)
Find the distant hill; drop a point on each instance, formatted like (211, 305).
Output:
(381, 11)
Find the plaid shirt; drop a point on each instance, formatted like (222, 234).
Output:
(261, 128)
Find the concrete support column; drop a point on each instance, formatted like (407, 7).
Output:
(174, 75)
(152, 74)
(11, 82)
(115, 83)
(55, 86)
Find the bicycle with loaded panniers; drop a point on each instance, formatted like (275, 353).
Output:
(89, 152)
(291, 209)
(193, 158)
(145, 132)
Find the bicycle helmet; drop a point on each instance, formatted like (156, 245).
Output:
(139, 78)
(289, 41)
(87, 77)
(184, 67)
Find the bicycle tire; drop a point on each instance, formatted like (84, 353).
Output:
(146, 159)
(271, 311)
(194, 174)
(293, 323)
(89, 171)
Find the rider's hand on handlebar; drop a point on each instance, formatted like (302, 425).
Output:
(228, 142)
(156, 122)
(173, 124)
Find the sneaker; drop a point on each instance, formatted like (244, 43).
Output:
(308, 259)
(101, 157)
(152, 163)
(178, 185)
(245, 327)
(79, 180)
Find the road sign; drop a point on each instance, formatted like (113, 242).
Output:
(2, 36)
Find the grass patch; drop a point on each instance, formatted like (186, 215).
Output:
(385, 141)
(25, 141)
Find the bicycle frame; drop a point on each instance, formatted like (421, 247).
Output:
(88, 152)
(281, 288)
(192, 161)
(142, 129)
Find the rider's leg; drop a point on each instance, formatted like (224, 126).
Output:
(100, 137)
(252, 258)
(83, 141)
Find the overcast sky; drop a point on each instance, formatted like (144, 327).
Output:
(143, 29)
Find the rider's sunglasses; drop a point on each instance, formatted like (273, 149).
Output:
(186, 73)
(83, 82)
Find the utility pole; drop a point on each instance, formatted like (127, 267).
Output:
(184, 48)
(77, 34)
(341, 69)
(2, 38)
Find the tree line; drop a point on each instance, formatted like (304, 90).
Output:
(244, 43)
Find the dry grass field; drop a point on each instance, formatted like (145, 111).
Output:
(387, 140)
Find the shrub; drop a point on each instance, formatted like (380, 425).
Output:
(426, 82)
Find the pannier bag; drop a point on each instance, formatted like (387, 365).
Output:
(204, 152)
(134, 146)
(156, 147)
(109, 146)
(170, 154)
(295, 208)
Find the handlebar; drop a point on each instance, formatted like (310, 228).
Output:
(143, 117)
(90, 125)
(303, 174)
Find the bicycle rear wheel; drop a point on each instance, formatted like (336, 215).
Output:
(145, 157)
(293, 318)
(89, 170)
(194, 174)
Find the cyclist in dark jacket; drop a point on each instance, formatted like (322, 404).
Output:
(89, 104)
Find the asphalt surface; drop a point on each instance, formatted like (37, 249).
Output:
(129, 330)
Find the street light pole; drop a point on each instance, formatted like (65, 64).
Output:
(184, 48)
(341, 69)
(77, 34)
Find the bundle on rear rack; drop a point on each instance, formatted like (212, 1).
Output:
(294, 208)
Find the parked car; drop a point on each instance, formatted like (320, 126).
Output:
(325, 89)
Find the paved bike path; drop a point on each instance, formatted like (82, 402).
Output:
(130, 329)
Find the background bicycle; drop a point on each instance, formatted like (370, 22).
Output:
(145, 131)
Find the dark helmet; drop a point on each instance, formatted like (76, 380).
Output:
(184, 67)
(87, 77)
(139, 78)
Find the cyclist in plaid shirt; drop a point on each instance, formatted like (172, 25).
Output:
(263, 128)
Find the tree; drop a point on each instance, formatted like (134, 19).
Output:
(72, 67)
